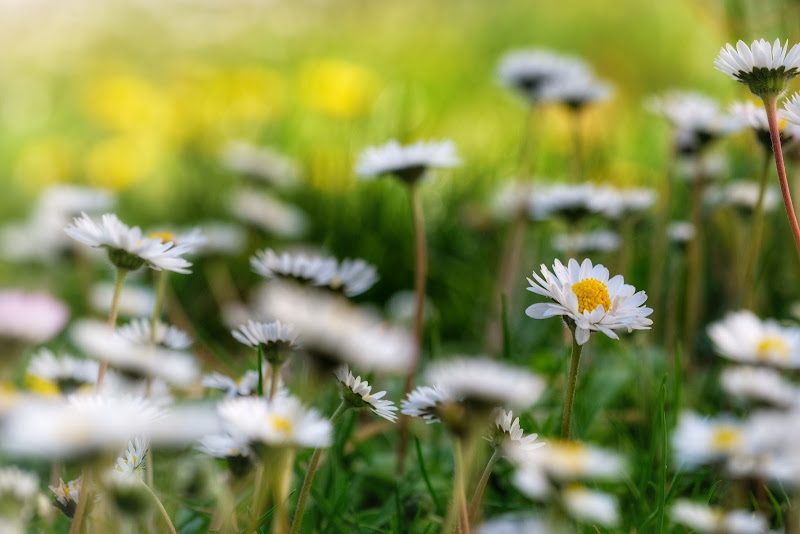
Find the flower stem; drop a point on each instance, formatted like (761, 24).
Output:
(575, 361)
(160, 508)
(281, 481)
(479, 489)
(771, 104)
(755, 238)
(261, 372)
(660, 239)
(112, 318)
(313, 464)
(274, 380)
(458, 514)
(509, 266)
(421, 273)
(161, 289)
(694, 268)
(578, 155)
(83, 501)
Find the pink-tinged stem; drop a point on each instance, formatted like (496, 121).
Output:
(771, 104)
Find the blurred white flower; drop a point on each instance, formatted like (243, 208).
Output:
(64, 373)
(699, 440)
(575, 90)
(582, 242)
(262, 163)
(243, 386)
(358, 394)
(269, 213)
(512, 199)
(708, 520)
(570, 201)
(407, 162)
(759, 384)
(585, 294)
(167, 336)
(127, 247)
(593, 507)
(742, 195)
(224, 446)
(221, 238)
(18, 492)
(566, 461)
(743, 337)
(617, 203)
(423, 402)
(528, 71)
(697, 118)
(680, 231)
(514, 524)
(273, 334)
(30, 318)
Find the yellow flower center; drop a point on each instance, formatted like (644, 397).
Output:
(725, 438)
(41, 385)
(282, 424)
(164, 236)
(591, 293)
(771, 347)
(572, 457)
(67, 491)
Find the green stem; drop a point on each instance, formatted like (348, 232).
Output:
(755, 239)
(694, 254)
(274, 380)
(83, 501)
(261, 372)
(280, 491)
(161, 289)
(575, 361)
(660, 240)
(578, 155)
(112, 318)
(313, 464)
(771, 105)
(525, 142)
(477, 497)
(160, 508)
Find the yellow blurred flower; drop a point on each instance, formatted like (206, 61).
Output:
(338, 87)
(46, 161)
(117, 162)
(127, 103)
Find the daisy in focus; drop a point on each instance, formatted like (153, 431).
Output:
(358, 394)
(765, 68)
(407, 162)
(589, 300)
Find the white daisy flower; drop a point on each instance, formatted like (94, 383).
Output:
(261, 162)
(170, 337)
(514, 524)
(268, 213)
(791, 109)
(224, 446)
(754, 116)
(134, 300)
(133, 457)
(760, 384)
(222, 238)
(282, 422)
(357, 393)
(742, 195)
(80, 426)
(72, 200)
(274, 337)
(351, 277)
(697, 118)
(301, 267)
(617, 203)
(67, 495)
(528, 71)
(513, 433)
(582, 242)
(706, 167)
(743, 337)
(65, 373)
(589, 506)
(191, 240)
(423, 402)
(407, 162)
(708, 520)
(585, 295)
(699, 440)
(97, 340)
(335, 331)
(567, 461)
(18, 492)
(765, 68)
(680, 231)
(127, 247)
(486, 381)
(575, 91)
(30, 318)
(570, 201)
(244, 386)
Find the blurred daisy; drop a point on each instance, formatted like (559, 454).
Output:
(127, 248)
(221, 238)
(572, 202)
(269, 213)
(754, 116)
(138, 331)
(582, 242)
(512, 434)
(357, 394)
(64, 374)
(680, 231)
(708, 520)
(244, 386)
(407, 162)
(18, 493)
(138, 360)
(589, 506)
(512, 200)
(351, 277)
(705, 167)
(300, 267)
(69, 200)
(575, 90)
(30, 318)
(423, 402)
(743, 337)
(791, 109)
(765, 68)
(529, 71)
(191, 240)
(617, 203)
(224, 446)
(485, 382)
(742, 196)
(700, 440)
(67, 495)
(697, 119)
(134, 301)
(132, 460)
(585, 295)
(568, 461)
(274, 338)
(761, 384)
(262, 163)
(279, 423)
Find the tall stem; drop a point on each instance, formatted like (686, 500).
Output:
(578, 155)
(274, 380)
(282, 479)
(260, 372)
(313, 464)
(509, 266)
(477, 497)
(112, 319)
(420, 278)
(771, 104)
(695, 266)
(755, 238)
(660, 240)
(161, 508)
(572, 381)
(161, 289)
(458, 514)
(525, 143)
(83, 501)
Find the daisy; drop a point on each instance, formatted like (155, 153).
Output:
(581, 242)
(575, 91)
(616, 203)
(512, 433)
(424, 402)
(281, 422)
(67, 495)
(765, 68)
(529, 71)
(699, 440)
(351, 277)
(680, 232)
(589, 506)
(244, 386)
(260, 162)
(567, 461)
(591, 301)
(221, 238)
(742, 196)
(169, 337)
(71, 200)
(754, 116)
(224, 446)
(743, 337)
(697, 119)
(407, 162)
(791, 109)
(64, 374)
(133, 458)
(708, 520)
(572, 202)
(357, 394)
(272, 336)
(759, 384)
(300, 267)
(127, 248)
(30, 318)
(485, 381)
(268, 213)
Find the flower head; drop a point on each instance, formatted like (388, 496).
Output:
(262, 163)
(759, 384)
(743, 337)
(30, 318)
(699, 440)
(423, 402)
(407, 162)
(18, 492)
(765, 68)
(708, 520)
(127, 247)
(697, 119)
(64, 373)
(358, 394)
(576, 90)
(589, 506)
(269, 213)
(139, 332)
(582, 242)
(67, 495)
(276, 339)
(511, 431)
(529, 71)
(133, 458)
(243, 386)
(754, 116)
(586, 296)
